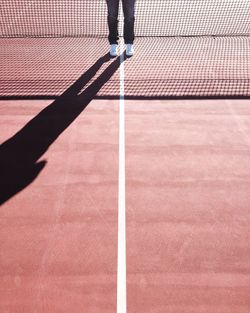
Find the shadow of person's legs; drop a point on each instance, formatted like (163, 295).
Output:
(19, 155)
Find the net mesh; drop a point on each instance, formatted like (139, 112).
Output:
(87, 18)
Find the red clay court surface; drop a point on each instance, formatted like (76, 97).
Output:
(187, 176)
(187, 162)
(187, 210)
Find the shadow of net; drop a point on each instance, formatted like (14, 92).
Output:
(184, 48)
(161, 67)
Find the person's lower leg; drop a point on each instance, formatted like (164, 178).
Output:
(129, 20)
(113, 11)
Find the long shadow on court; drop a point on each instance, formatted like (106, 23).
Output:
(19, 155)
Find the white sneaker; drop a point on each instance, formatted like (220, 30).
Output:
(129, 50)
(113, 50)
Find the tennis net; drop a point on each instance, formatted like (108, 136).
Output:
(88, 18)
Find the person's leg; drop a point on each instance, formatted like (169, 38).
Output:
(129, 20)
(113, 11)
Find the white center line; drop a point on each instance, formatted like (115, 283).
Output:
(121, 258)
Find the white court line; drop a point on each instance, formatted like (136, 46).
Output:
(121, 257)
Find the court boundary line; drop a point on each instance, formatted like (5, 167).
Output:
(121, 256)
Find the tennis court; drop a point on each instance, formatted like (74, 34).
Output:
(125, 183)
